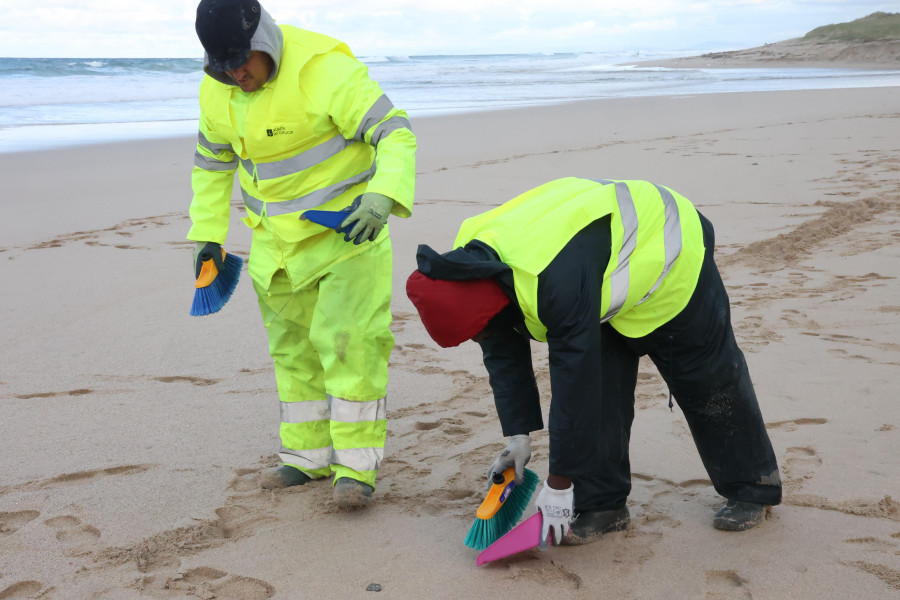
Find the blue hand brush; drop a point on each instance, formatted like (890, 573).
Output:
(326, 218)
(502, 507)
(214, 287)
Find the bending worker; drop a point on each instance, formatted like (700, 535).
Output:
(603, 272)
(300, 121)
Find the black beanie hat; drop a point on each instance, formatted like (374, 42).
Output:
(225, 28)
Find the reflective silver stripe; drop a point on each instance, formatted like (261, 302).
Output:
(213, 164)
(603, 181)
(316, 458)
(359, 459)
(253, 205)
(298, 162)
(671, 236)
(202, 140)
(247, 164)
(337, 409)
(304, 411)
(311, 200)
(618, 282)
(346, 411)
(376, 113)
(388, 127)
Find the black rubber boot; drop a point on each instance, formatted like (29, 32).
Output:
(282, 477)
(350, 493)
(740, 516)
(589, 526)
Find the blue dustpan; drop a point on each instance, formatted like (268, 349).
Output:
(326, 218)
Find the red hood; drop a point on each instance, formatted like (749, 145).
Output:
(454, 311)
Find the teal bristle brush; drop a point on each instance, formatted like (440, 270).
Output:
(502, 507)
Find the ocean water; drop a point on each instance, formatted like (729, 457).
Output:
(55, 102)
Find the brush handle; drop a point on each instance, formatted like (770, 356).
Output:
(501, 487)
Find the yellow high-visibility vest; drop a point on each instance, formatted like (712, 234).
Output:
(657, 246)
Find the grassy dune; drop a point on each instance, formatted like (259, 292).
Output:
(877, 26)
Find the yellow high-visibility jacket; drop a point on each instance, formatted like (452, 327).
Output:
(316, 135)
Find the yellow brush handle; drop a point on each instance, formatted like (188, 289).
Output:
(497, 495)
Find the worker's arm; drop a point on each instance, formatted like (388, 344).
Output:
(361, 110)
(507, 358)
(574, 418)
(569, 297)
(212, 180)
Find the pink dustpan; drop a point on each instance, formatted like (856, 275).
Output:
(524, 536)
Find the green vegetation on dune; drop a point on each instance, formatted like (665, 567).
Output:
(877, 26)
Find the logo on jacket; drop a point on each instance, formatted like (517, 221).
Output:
(278, 131)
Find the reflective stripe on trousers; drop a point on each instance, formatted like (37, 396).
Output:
(353, 417)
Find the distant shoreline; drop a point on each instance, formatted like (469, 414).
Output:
(877, 54)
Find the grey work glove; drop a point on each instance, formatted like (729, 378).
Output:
(204, 251)
(517, 454)
(368, 214)
(556, 511)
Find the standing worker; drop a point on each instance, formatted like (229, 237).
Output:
(300, 121)
(603, 272)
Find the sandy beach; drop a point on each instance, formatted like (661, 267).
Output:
(132, 434)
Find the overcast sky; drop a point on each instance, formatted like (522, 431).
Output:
(165, 28)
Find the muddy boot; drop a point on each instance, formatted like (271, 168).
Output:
(282, 477)
(350, 493)
(590, 526)
(739, 516)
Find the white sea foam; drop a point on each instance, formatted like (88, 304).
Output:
(93, 97)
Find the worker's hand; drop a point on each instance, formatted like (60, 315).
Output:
(368, 214)
(556, 510)
(204, 251)
(517, 454)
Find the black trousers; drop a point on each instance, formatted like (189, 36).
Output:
(698, 357)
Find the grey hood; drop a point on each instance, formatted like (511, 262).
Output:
(268, 38)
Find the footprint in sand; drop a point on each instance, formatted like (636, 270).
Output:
(199, 381)
(695, 484)
(639, 541)
(884, 573)
(78, 392)
(21, 589)
(553, 575)
(207, 582)
(70, 530)
(792, 424)
(10, 522)
(800, 464)
(727, 585)
(872, 543)
(236, 521)
(475, 413)
(246, 480)
(455, 429)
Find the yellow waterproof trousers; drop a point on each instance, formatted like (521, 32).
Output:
(331, 341)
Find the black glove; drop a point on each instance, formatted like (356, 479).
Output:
(205, 251)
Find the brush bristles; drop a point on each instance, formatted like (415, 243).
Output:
(485, 532)
(211, 299)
